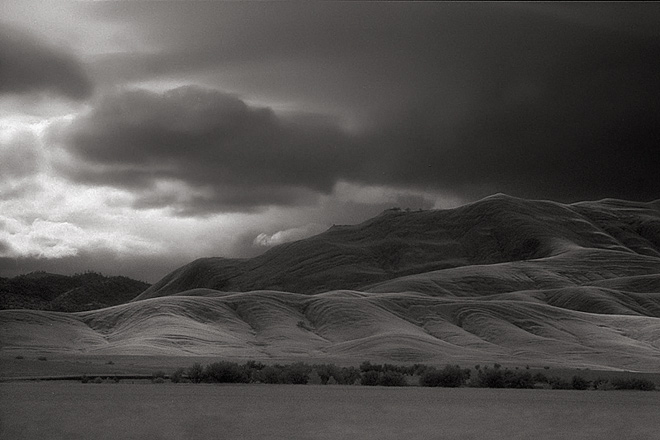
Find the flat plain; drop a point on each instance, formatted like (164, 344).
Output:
(71, 410)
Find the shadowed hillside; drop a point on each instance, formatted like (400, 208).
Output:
(500, 280)
(497, 229)
(47, 291)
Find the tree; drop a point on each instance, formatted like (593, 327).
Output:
(580, 383)
(225, 372)
(392, 379)
(450, 376)
(177, 376)
(196, 373)
(370, 378)
(270, 375)
(297, 373)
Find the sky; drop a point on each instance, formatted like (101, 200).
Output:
(138, 136)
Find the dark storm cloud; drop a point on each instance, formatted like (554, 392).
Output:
(338, 55)
(584, 124)
(29, 65)
(470, 98)
(226, 154)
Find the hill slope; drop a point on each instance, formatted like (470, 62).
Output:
(346, 326)
(47, 291)
(397, 243)
(501, 280)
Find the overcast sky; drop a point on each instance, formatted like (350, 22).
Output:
(138, 136)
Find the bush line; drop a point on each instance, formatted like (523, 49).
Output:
(368, 374)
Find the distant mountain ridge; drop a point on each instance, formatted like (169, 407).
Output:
(398, 243)
(48, 291)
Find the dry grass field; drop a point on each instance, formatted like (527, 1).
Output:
(68, 410)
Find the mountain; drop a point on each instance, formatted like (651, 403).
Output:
(47, 291)
(500, 280)
(397, 243)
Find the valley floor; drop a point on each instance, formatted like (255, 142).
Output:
(67, 410)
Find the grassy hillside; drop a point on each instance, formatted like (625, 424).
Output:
(500, 280)
(345, 325)
(397, 243)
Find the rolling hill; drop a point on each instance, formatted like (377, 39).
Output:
(494, 230)
(500, 280)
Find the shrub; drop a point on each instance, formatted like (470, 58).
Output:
(20, 357)
(254, 365)
(42, 358)
(601, 384)
(157, 380)
(490, 378)
(580, 383)
(297, 374)
(392, 379)
(348, 376)
(368, 366)
(225, 372)
(557, 383)
(177, 376)
(449, 376)
(498, 378)
(196, 373)
(327, 372)
(270, 375)
(418, 369)
(370, 378)
(517, 379)
(396, 368)
(84, 378)
(98, 380)
(540, 377)
(632, 384)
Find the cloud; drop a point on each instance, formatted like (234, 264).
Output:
(5, 248)
(387, 195)
(200, 149)
(30, 65)
(467, 99)
(20, 160)
(586, 126)
(57, 239)
(287, 235)
(18, 155)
